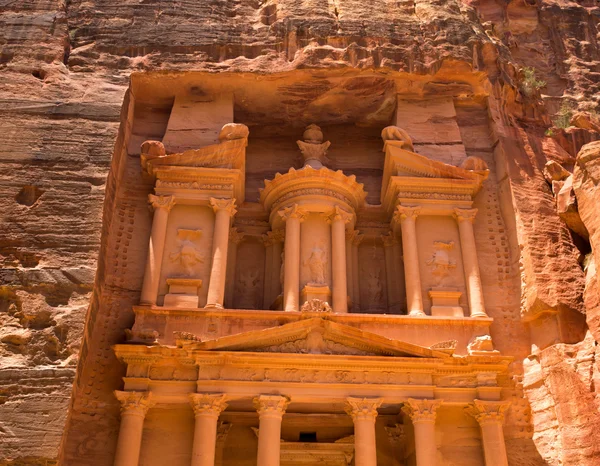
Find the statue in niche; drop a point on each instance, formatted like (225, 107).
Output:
(313, 148)
(316, 264)
(188, 255)
(247, 287)
(440, 262)
(374, 288)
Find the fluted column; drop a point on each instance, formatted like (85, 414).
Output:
(162, 206)
(465, 219)
(270, 410)
(134, 406)
(358, 237)
(364, 413)
(390, 273)
(207, 408)
(224, 210)
(490, 416)
(235, 237)
(338, 220)
(422, 414)
(407, 217)
(292, 216)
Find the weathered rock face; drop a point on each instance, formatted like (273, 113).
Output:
(66, 68)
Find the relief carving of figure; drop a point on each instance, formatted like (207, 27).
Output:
(188, 255)
(247, 286)
(440, 262)
(374, 288)
(316, 264)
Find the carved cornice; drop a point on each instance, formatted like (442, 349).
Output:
(236, 236)
(293, 211)
(421, 410)
(161, 202)
(271, 405)
(488, 412)
(406, 212)
(339, 215)
(208, 404)
(465, 215)
(227, 205)
(134, 403)
(363, 409)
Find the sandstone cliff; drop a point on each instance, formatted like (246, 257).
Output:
(65, 71)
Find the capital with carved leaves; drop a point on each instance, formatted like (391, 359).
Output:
(272, 237)
(465, 215)
(161, 202)
(134, 403)
(208, 404)
(421, 410)
(488, 412)
(294, 211)
(227, 205)
(363, 409)
(339, 215)
(236, 236)
(388, 240)
(271, 405)
(406, 212)
(357, 238)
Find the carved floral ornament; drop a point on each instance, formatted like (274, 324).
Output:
(421, 410)
(134, 403)
(363, 409)
(488, 412)
(405, 212)
(465, 215)
(274, 236)
(271, 405)
(161, 202)
(207, 404)
(227, 205)
(339, 214)
(294, 211)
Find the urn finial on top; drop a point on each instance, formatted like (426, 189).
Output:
(313, 148)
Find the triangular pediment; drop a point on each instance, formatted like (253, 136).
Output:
(315, 336)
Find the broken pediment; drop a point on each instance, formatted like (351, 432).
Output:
(314, 336)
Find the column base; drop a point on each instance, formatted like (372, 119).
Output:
(417, 313)
(214, 306)
(480, 315)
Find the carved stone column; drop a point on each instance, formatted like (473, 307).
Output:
(465, 219)
(350, 265)
(364, 413)
(338, 220)
(224, 210)
(273, 242)
(407, 217)
(390, 273)
(235, 237)
(422, 413)
(270, 410)
(490, 416)
(355, 280)
(292, 216)
(134, 406)
(207, 408)
(162, 206)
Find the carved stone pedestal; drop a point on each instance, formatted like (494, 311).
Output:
(320, 292)
(183, 292)
(445, 302)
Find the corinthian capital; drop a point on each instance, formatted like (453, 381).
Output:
(465, 215)
(207, 404)
(362, 408)
(161, 202)
(404, 212)
(421, 410)
(271, 405)
(135, 403)
(339, 214)
(488, 412)
(389, 240)
(236, 236)
(223, 204)
(294, 211)
(272, 237)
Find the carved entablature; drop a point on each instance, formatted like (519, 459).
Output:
(414, 179)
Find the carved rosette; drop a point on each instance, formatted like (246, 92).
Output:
(465, 215)
(403, 213)
(207, 404)
(227, 205)
(161, 202)
(134, 403)
(363, 409)
(272, 237)
(236, 236)
(294, 211)
(488, 412)
(339, 215)
(421, 410)
(271, 405)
